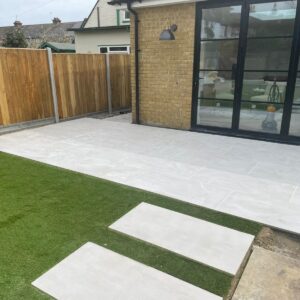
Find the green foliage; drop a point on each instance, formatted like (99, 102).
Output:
(15, 39)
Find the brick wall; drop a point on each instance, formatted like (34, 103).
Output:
(166, 67)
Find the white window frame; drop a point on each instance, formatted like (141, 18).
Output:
(112, 51)
(124, 16)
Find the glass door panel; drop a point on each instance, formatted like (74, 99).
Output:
(218, 54)
(272, 54)
(272, 19)
(295, 118)
(269, 42)
(295, 121)
(219, 41)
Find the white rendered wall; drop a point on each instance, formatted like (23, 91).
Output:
(89, 42)
(108, 15)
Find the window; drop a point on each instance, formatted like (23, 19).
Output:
(103, 50)
(127, 16)
(123, 17)
(115, 49)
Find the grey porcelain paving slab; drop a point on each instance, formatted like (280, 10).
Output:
(93, 272)
(216, 246)
(246, 178)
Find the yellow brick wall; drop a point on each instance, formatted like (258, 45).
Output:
(166, 67)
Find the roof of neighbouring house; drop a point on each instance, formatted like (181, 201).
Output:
(43, 31)
(59, 47)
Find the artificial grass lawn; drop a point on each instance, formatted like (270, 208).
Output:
(47, 213)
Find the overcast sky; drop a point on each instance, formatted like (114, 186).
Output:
(43, 11)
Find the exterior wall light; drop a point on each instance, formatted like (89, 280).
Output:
(167, 34)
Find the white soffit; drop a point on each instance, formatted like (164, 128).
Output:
(153, 3)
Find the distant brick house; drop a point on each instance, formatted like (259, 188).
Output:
(56, 31)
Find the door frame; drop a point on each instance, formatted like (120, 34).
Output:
(283, 136)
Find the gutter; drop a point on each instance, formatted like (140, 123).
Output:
(136, 53)
(103, 28)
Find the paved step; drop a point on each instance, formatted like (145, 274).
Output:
(214, 245)
(269, 276)
(93, 272)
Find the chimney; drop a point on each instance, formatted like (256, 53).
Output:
(56, 21)
(18, 24)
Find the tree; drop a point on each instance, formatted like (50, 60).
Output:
(15, 39)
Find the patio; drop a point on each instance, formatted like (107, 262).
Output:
(246, 178)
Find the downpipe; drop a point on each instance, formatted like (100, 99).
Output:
(136, 58)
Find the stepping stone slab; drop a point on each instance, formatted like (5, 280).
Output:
(214, 245)
(269, 276)
(93, 272)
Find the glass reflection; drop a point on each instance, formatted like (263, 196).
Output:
(295, 118)
(216, 113)
(257, 86)
(216, 85)
(218, 55)
(295, 121)
(261, 117)
(272, 19)
(268, 54)
(221, 23)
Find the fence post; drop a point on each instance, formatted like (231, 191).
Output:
(53, 85)
(108, 84)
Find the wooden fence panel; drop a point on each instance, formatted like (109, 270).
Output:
(80, 83)
(120, 81)
(25, 90)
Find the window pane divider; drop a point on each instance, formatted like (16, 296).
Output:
(215, 99)
(262, 102)
(219, 39)
(217, 70)
(270, 37)
(267, 71)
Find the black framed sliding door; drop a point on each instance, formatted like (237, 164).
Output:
(294, 129)
(245, 73)
(269, 42)
(216, 66)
